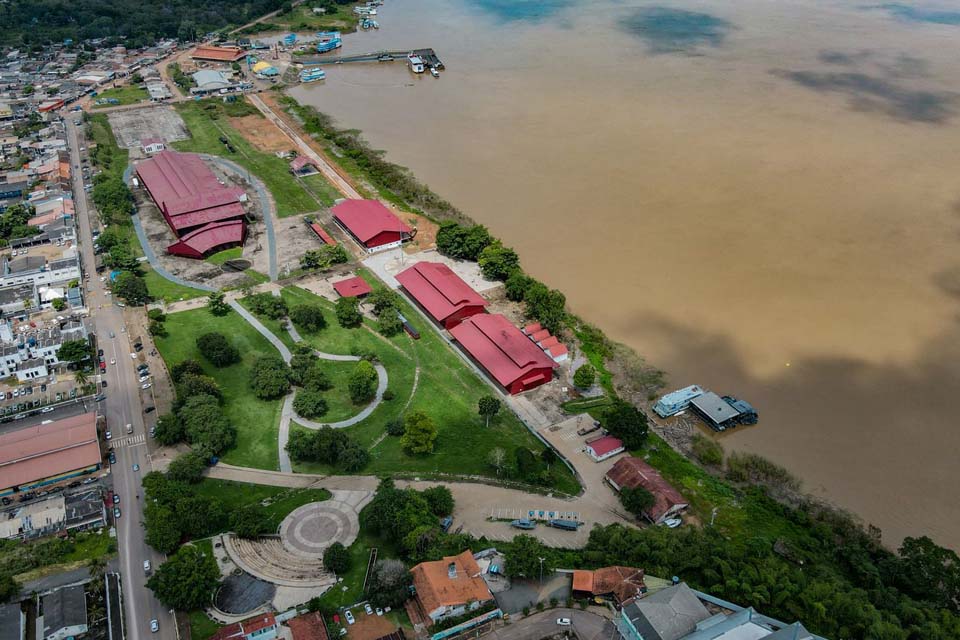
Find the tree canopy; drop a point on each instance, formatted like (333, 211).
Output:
(132, 288)
(186, 580)
(461, 242)
(74, 351)
(636, 501)
(217, 303)
(626, 422)
(328, 446)
(308, 317)
(270, 377)
(362, 382)
(419, 433)
(336, 558)
(218, 349)
(348, 313)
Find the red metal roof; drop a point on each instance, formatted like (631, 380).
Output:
(197, 244)
(438, 289)
(633, 472)
(322, 234)
(557, 350)
(49, 449)
(302, 161)
(500, 347)
(606, 444)
(367, 218)
(188, 192)
(352, 287)
(224, 54)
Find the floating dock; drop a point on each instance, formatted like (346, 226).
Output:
(428, 56)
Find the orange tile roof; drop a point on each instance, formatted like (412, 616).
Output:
(222, 54)
(583, 580)
(435, 588)
(621, 582)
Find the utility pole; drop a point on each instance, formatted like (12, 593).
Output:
(713, 515)
(541, 572)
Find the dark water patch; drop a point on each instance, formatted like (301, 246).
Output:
(906, 66)
(668, 30)
(919, 14)
(842, 58)
(521, 10)
(873, 94)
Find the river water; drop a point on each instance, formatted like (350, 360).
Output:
(759, 197)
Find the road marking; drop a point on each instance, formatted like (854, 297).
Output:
(130, 441)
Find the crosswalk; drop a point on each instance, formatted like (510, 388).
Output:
(130, 441)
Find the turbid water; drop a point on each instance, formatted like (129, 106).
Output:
(759, 197)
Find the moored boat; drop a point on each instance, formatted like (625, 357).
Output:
(523, 523)
(328, 41)
(415, 63)
(312, 74)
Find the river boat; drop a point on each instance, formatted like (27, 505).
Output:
(677, 401)
(566, 525)
(415, 63)
(328, 41)
(524, 524)
(312, 74)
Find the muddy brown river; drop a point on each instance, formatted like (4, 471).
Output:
(760, 197)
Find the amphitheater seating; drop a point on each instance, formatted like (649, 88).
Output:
(267, 559)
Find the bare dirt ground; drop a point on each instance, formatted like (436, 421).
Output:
(294, 238)
(133, 125)
(262, 133)
(426, 237)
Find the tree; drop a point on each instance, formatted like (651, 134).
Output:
(440, 500)
(324, 257)
(184, 367)
(157, 314)
(162, 527)
(74, 351)
(216, 348)
(80, 377)
(395, 427)
(308, 317)
(419, 433)
(188, 468)
(516, 285)
(362, 383)
(547, 306)
(217, 304)
(497, 262)
(488, 406)
(461, 242)
(336, 558)
(389, 322)
(389, 583)
(186, 581)
(528, 467)
(383, 299)
(636, 501)
(9, 589)
(496, 458)
(329, 446)
(523, 558)
(302, 361)
(120, 257)
(58, 304)
(266, 304)
(250, 521)
(548, 456)
(309, 404)
(132, 288)
(191, 384)
(157, 329)
(315, 379)
(348, 313)
(626, 422)
(584, 376)
(270, 378)
(205, 426)
(930, 572)
(169, 430)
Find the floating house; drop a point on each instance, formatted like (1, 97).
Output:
(328, 41)
(676, 401)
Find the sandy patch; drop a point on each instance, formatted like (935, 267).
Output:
(262, 134)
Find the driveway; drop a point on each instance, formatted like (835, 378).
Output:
(587, 625)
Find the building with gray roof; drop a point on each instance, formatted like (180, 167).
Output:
(12, 622)
(668, 614)
(63, 614)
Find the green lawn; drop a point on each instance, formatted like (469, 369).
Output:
(322, 190)
(112, 160)
(282, 501)
(207, 121)
(128, 94)
(256, 420)
(162, 289)
(446, 389)
(227, 254)
(96, 544)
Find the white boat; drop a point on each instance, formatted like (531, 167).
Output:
(434, 72)
(415, 63)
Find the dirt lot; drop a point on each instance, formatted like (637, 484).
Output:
(262, 133)
(426, 237)
(369, 627)
(294, 238)
(131, 126)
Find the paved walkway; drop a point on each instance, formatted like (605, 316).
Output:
(310, 529)
(266, 333)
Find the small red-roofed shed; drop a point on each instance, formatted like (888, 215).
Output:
(354, 287)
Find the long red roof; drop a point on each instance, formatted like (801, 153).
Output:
(49, 449)
(187, 190)
(438, 289)
(500, 347)
(367, 218)
(209, 236)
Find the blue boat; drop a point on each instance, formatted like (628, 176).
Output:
(523, 523)
(566, 525)
(328, 41)
(289, 39)
(312, 74)
(676, 401)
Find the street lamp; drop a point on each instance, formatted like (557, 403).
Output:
(541, 572)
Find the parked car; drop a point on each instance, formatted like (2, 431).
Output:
(146, 386)
(564, 622)
(46, 410)
(112, 334)
(672, 523)
(368, 609)
(100, 352)
(154, 626)
(107, 435)
(149, 409)
(74, 484)
(146, 566)
(116, 499)
(379, 611)
(113, 458)
(349, 616)
(116, 512)
(144, 378)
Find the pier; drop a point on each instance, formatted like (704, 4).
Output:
(429, 57)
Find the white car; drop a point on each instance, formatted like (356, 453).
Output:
(146, 566)
(144, 378)
(154, 626)
(379, 611)
(564, 622)
(146, 386)
(113, 361)
(46, 410)
(368, 609)
(349, 616)
(672, 523)
(107, 435)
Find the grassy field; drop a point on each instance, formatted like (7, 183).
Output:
(445, 388)
(302, 18)
(98, 127)
(207, 123)
(236, 495)
(325, 193)
(227, 254)
(162, 289)
(256, 420)
(128, 94)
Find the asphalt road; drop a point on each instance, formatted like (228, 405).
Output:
(121, 407)
(586, 625)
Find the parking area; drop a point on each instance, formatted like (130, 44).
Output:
(131, 126)
(369, 627)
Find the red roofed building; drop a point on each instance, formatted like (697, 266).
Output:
(558, 352)
(210, 238)
(441, 293)
(630, 472)
(322, 234)
(450, 587)
(604, 447)
(218, 54)
(261, 627)
(309, 626)
(371, 224)
(47, 453)
(302, 166)
(532, 328)
(504, 352)
(621, 583)
(354, 287)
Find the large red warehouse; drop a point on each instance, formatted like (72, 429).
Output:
(193, 202)
(507, 355)
(441, 293)
(372, 224)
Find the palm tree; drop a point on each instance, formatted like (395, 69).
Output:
(80, 377)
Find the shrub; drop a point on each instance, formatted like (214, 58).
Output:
(216, 348)
(389, 395)
(309, 404)
(585, 376)
(267, 304)
(395, 427)
(419, 433)
(707, 450)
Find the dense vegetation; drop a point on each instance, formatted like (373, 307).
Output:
(137, 23)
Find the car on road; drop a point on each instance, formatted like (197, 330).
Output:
(129, 428)
(113, 361)
(349, 616)
(368, 609)
(146, 566)
(113, 458)
(136, 467)
(146, 386)
(107, 435)
(100, 352)
(103, 383)
(116, 512)
(154, 625)
(116, 498)
(46, 410)
(564, 622)
(112, 334)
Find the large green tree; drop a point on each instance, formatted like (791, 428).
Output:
(348, 313)
(523, 558)
(336, 558)
(488, 407)
(186, 581)
(308, 317)
(132, 288)
(626, 422)
(497, 262)
(218, 349)
(419, 433)
(269, 377)
(309, 404)
(74, 351)
(362, 383)
(637, 500)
